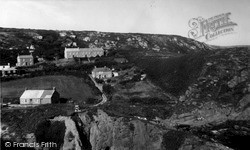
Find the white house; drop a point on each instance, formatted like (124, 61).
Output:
(5, 66)
(7, 70)
(39, 97)
(102, 73)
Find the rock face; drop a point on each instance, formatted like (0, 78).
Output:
(97, 130)
(107, 132)
(118, 133)
(71, 138)
(219, 93)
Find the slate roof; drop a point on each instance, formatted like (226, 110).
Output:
(37, 94)
(102, 69)
(24, 56)
(83, 49)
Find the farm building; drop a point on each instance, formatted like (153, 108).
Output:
(7, 70)
(102, 73)
(83, 52)
(39, 97)
(25, 60)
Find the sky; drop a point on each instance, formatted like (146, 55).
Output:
(127, 16)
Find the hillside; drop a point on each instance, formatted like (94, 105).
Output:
(194, 96)
(50, 44)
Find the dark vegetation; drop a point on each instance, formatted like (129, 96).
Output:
(92, 101)
(174, 75)
(127, 110)
(234, 134)
(49, 46)
(48, 131)
(24, 121)
(82, 133)
(107, 89)
(173, 139)
(148, 101)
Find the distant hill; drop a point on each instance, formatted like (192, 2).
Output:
(51, 43)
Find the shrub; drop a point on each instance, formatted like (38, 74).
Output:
(51, 132)
(107, 89)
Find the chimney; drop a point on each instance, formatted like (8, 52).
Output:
(9, 64)
(54, 88)
(26, 88)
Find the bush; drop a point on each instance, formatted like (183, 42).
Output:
(92, 101)
(107, 89)
(48, 131)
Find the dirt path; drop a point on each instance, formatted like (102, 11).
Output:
(100, 87)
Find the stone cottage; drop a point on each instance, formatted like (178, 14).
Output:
(25, 60)
(39, 97)
(102, 73)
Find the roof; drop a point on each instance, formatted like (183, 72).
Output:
(120, 59)
(102, 69)
(24, 56)
(83, 49)
(4, 67)
(37, 94)
(8, 69)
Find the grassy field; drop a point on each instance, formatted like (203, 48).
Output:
(69, 87)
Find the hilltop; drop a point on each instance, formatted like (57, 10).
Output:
(50, 44)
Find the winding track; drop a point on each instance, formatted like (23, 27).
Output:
(99, 86)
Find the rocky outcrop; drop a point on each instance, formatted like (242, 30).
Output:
(97, 130)
(211, 112)
(71, 136)
(120, 133)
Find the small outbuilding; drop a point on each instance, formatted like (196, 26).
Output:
(39, 97)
